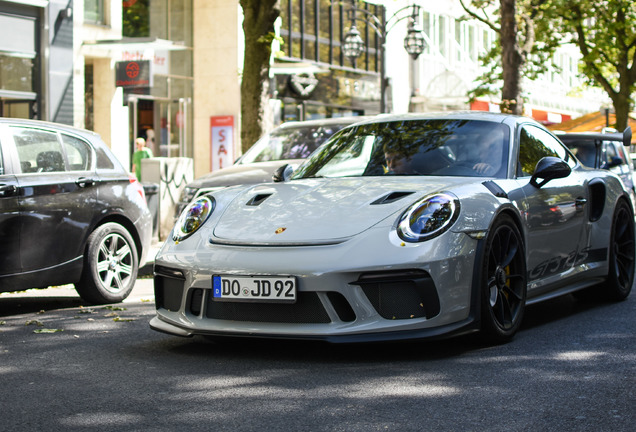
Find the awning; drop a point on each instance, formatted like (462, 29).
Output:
(105, 47)
(592, 122)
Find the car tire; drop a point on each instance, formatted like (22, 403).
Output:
(622, 252)
(110, 265)
(503, 282)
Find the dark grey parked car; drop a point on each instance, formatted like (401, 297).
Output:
(69, 213)
(289, 143)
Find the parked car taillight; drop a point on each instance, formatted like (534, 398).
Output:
(133, 180)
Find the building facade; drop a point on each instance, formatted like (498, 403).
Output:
(170, 70)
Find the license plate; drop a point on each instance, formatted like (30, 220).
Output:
(275, 289)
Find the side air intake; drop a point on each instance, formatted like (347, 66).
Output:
(258, 199)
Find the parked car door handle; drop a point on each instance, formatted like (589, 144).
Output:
(580, 203)
(84, 181)
(7, 190)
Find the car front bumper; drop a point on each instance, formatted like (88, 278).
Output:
(421, 290)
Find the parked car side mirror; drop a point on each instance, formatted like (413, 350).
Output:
(614, 162)
(283, 173)
(549, 168)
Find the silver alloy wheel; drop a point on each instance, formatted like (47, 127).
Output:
(114, 262)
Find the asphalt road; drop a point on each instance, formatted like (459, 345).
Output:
(572, 367)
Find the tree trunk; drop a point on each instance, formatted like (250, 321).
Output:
(258, 27)
(512, 60)
(622, 104)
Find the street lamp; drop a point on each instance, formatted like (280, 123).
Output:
(353, 45)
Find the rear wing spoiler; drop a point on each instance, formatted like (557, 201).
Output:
(625, 137)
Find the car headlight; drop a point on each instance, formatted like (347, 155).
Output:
(428, 217)
(192, 217)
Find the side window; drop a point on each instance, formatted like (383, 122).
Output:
(103, 161)
(78, 153)
(621, 153)
(38, 150)
(535, 144)
(609, 153)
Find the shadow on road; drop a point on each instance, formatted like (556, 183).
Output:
(25, 305)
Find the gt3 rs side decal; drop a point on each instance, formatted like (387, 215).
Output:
(559, 264)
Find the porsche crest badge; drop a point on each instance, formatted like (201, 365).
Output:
(280, 230)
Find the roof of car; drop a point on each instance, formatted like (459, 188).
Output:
(42, 123)
(325, 121)
(450, 115)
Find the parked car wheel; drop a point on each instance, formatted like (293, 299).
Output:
(503, 293)
(110, 265)
(621, 255)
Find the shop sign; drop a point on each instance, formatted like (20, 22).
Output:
(132, 74)
(222, 141)
(303, 84)
(358, 88)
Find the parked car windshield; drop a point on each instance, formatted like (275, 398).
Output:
(413, 147)
(289, 143)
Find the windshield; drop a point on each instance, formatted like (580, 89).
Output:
(414, 147)
(289, 143)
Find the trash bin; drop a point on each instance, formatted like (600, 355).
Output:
(152, 198)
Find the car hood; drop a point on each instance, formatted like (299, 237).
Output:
(320, 211)
(257, 172)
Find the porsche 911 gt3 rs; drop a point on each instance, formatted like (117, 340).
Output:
(400, 227)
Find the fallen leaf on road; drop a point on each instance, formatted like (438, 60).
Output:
(44, 330)
(114, 308)
(34, 322)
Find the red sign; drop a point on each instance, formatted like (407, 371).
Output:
(222, 141)
(132, 69)
(130, 74)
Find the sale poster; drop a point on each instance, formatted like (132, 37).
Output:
(222, 142)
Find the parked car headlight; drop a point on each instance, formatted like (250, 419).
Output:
(428, 217)
(192, 217)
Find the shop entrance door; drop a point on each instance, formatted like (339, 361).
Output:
(163, 122)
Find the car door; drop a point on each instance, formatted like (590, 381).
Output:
(555, 213)
(55, 209)
(9, 215)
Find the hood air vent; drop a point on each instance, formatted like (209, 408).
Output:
(391, 197)
(258, 199)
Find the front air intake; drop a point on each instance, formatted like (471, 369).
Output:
(391, 197)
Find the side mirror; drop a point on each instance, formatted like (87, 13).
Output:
(283, 173)
(549, 168)
(616, 161)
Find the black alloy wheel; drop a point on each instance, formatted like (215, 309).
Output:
(621, 255)
(503, 292)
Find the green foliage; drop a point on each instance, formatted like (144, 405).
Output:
(541, 40)
(605, 31)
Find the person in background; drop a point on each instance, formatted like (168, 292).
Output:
(142, 152)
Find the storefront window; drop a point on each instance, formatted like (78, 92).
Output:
(94, 11)
(16, 74)
(135, 18)
(313, 30)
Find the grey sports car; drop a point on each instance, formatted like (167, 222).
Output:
(400, 227)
